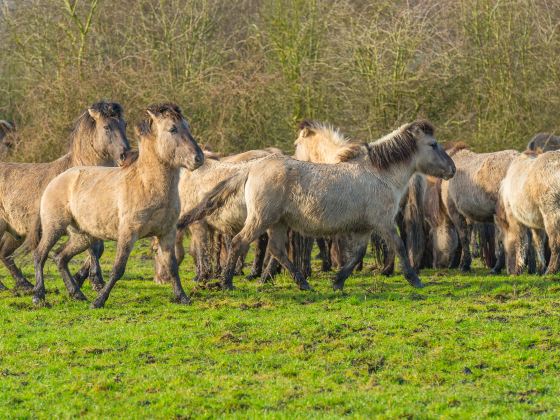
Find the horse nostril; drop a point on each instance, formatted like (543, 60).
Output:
(198, 159)
(123, 156)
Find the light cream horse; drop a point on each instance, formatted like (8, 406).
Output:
(530, 200)
(355, 197)
(192, 188)
(472, 194)
(121, 204)
(321, 143)
(98, 139)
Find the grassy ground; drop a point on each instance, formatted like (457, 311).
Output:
(466, 345)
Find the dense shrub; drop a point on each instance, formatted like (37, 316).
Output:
(485, 72)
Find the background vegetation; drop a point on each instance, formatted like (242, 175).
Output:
(486, 72)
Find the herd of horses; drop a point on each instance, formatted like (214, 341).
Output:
(419, 203)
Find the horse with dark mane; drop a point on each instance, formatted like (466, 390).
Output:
(98, 139)
(354, 197)
(120, 204)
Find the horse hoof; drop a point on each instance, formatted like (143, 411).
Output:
(97, 304)
(38, 300)
(415, 282)
(338, 287)
(184, 300)
(227, 286)
(251, 276)
(305, 286)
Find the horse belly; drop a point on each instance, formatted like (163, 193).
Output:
(100, 221)
(331, 219)
(478, 206)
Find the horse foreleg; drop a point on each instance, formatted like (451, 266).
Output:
(393, 238)
(50, 235)
(169, 266)
(124, 248)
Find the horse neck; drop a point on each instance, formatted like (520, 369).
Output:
(82, 153)
(152, 171)
(397, 174)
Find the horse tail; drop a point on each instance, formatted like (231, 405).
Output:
(33, 236)
(213, 200)
(413, 220)
(487, 235)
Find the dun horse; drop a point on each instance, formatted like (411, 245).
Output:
(320, 143)
(356, 197)
(529, 200)
(121, 204)
(207, 236)
(472, 194)
(98, 138)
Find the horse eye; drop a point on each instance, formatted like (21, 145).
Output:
(173, 129)
(107, 128)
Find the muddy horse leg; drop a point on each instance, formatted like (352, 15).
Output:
(49, 237)
(278, 237)
(169, 267)
(260, 253)
(353, 261)
(392, 237)
(124, 248)
(9, 245)
(76, 244)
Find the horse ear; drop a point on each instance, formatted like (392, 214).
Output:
(94, 113)
(306, 132)
(151, 114)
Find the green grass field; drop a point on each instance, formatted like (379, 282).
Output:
(466, 345)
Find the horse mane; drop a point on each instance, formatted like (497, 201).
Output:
(453, 147)
(84, 125)
(398, 146)
(168, 109)
(348, 149)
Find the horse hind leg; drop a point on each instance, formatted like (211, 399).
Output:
(393, 238)
(169, 267)
(539, 244)
(278, 237)
(91, 268)
(124, 248)
(9, 245)
(77, 243)
(351, 262)
(260, 253)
